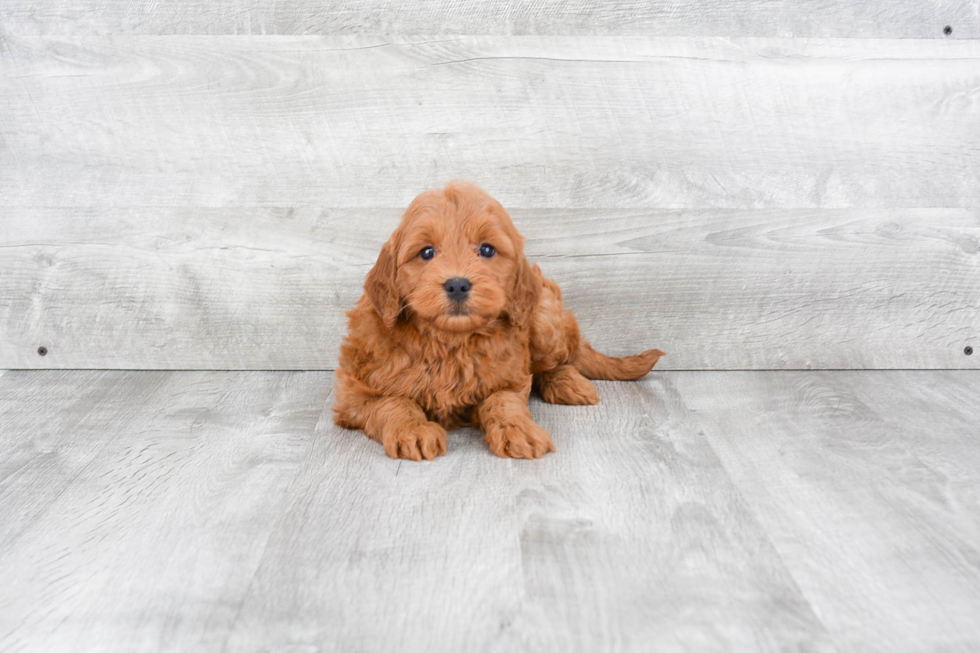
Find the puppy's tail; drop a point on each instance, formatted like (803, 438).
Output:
(596, 365)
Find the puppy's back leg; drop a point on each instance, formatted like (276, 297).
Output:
(565, 385)
(556, 342)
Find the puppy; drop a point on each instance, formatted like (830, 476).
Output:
(454, 328)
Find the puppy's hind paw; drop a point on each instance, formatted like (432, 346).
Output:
(565, 385)
(416, 442)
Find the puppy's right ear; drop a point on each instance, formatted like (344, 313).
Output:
(379, 286)
(524, 296)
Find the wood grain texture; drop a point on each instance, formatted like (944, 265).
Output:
(599, 122)
(728, 511)
(41, 453)
(718, 289)
(811, 18)
(225, 511)
(542, 558)
(136, 505)
(868, 486)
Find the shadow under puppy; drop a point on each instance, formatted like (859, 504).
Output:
(452, 330)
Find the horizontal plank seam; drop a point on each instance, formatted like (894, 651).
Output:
(521, 208)
(334, 369)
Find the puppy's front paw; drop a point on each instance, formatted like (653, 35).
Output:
(416, 442)
(523, 439)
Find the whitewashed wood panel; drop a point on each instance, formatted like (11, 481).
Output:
(52, 428)
(810, 18)
(539, 121)
(266, 288)
(868, 486)
(742, 511)
(231, 514)
(610, 544)
(139, 504)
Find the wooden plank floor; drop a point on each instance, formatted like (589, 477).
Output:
(709, 511)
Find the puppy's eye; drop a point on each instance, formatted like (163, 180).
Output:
(487, 250)
(427, 253)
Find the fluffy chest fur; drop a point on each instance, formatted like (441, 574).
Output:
(448, 376)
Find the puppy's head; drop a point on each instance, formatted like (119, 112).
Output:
(456, 262)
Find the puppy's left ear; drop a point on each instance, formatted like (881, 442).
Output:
(380, 286)
(524, 295)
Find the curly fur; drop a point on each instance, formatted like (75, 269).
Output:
(414, 363)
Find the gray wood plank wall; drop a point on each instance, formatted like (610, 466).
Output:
(802, 18)
(695, 181)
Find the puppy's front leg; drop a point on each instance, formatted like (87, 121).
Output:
(509, 428)
(402, 427)
(397, 423)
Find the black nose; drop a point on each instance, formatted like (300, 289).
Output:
(457, 288)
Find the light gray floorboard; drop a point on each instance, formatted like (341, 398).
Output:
(136, 506)
(809, 18)
(597, 122)
(630, 539)
(229, 513)
(749, 511)
(267, 288)
(869, 488)
(53, 426)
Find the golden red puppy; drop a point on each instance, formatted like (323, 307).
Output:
(453, 329)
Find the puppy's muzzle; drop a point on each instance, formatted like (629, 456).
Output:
(457, 288)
